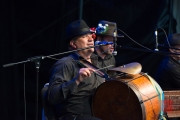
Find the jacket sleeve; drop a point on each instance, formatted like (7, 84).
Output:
(62, 82)
(174, 73)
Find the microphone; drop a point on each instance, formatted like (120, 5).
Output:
(115, 39)
(156, 34)
(103, 43)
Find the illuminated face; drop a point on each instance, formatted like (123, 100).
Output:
(83, 41)
(107, 49)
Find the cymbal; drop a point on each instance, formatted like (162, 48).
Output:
(131, 68)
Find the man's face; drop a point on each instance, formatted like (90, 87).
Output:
(107, 49)
(176, 57)
(83, 41)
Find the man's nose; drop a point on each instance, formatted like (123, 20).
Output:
(90, 38)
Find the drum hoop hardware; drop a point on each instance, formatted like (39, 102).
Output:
(142, 101)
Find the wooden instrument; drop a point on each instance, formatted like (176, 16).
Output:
(128, 97)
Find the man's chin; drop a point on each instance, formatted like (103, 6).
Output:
(91, 50)
(109, 53)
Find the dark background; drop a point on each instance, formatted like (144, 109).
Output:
(34, 28)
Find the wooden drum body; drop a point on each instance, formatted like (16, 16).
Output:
(129, 97)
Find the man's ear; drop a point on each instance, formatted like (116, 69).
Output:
(72, 44)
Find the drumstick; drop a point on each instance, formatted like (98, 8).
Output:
(104, 68)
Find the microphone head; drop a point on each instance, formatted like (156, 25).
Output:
(114, 53)
(156, 32)
(156, 49)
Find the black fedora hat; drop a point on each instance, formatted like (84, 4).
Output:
(76, 28)
(106, 28)
(174, 39)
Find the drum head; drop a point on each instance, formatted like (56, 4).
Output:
(114, 100)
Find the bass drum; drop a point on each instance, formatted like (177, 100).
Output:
(129, 97)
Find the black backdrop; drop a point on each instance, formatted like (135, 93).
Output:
(33, 28)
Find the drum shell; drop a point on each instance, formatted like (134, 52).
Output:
(129, 97)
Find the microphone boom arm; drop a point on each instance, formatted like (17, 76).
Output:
(152, 51)
(32, 59)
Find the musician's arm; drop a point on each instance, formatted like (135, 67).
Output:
(62, 82)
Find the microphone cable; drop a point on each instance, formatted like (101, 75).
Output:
(144, 46)
(133, 40)
(165, 35)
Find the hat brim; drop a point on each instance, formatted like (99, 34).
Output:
(82, 33)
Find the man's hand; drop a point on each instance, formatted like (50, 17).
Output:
(83, 74)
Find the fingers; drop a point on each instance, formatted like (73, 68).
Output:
(91, 70)
(83, 74)
(86, 72)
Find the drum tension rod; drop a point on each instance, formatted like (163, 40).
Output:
(142, 101)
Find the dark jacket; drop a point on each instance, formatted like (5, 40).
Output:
(65, 94)
(168, 74)
(108, 60)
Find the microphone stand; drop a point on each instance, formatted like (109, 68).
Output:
(37, 59)
(115, 40)
(162, 45)
(156, 34)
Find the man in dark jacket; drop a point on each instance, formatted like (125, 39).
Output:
(72, 83)
(168, 74)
